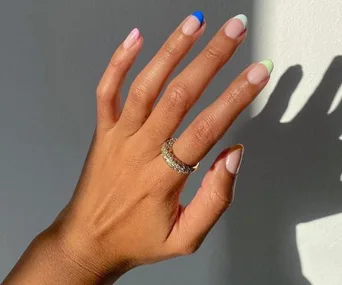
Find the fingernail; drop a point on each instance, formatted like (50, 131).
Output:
(193, 24)
(260, 72)
(234, 159)
(131, 39)
(236, 26)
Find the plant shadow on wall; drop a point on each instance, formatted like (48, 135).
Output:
(291, 175)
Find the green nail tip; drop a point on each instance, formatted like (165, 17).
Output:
(268, 64)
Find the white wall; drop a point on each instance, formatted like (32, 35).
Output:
(309, 33)
(305, 32)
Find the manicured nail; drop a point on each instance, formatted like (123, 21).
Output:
(234, 159)
(260, 72)
(193, 23)
(236, 26)
(131, 39)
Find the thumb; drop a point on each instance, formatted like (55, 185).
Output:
(212, 199)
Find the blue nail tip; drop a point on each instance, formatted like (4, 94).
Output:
(199, 15)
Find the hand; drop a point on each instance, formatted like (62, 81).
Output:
(126, 207)
(126, 211)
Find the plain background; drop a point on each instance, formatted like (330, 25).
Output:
(285, 226)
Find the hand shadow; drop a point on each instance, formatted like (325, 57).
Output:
(291, 174)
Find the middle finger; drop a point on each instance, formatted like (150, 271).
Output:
(188, 86)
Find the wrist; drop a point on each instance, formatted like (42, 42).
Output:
(46, 262)
(52, 244)
(85, 249)
(82, 256)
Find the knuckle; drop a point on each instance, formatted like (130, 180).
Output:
(203, 132)
(231, 97)
(116, 63)
(178, 95)
(219, 201)
(102, 93)
(213, 53)
(137, 93)
(171, 49)
(234, 96)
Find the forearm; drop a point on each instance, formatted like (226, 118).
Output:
(45, 263)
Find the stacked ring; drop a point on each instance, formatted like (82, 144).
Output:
(172, 161)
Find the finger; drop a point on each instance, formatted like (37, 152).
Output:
(108, 90)
(148, 84)
(280, 98)
(326, 91)
(187, 87)
(212, 199)
(213, 122)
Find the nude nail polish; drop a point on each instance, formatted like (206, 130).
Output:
(193, 23)
(131, 39)
(234, 159)
(236, 26)
(260, 72)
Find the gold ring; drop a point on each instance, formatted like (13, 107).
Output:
(172, 161)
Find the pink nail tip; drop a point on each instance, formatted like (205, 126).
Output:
(132, 38)
(136, 33)
(234, 158)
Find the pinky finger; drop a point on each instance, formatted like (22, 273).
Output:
(108, 90)
(212, 199)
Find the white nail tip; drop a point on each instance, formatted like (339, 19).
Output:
(243, 18)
